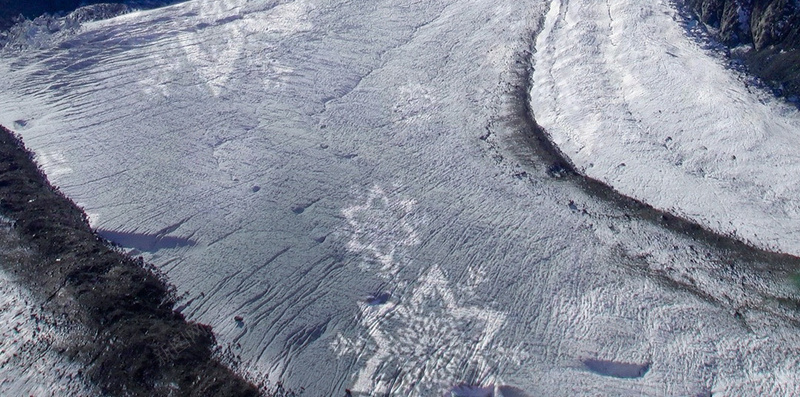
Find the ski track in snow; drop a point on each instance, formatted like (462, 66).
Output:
(352, 177)
(636, 104)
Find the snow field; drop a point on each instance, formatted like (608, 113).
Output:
(347, 173)
(637, 104)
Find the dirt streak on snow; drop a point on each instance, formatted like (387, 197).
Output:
(29, 362)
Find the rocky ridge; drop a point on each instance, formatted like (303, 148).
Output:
(134, 343)
(770, 30)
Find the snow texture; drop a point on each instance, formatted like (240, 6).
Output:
(635, 103)
(353, 181)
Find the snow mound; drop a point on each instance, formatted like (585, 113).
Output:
(637, 104)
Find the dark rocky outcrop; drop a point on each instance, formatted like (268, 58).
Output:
(135, 343)
(771, 27)
(14, 11)
(762, 23)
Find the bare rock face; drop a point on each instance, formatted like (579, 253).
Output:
(775, 23)
(733, 24)
(15, 11)
(762, 23)
(772, 27)
(731, 17)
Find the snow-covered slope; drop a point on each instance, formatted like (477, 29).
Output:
(350, 177)
(636, 103)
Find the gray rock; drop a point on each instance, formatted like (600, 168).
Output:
(772, 27)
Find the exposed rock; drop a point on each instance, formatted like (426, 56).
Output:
(135, 343)
(15, 11)
(771, 27)
(759, 22)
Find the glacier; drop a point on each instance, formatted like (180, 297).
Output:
(347, 192)
(636, 104)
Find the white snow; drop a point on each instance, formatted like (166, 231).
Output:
(636, 103)
(384, 139)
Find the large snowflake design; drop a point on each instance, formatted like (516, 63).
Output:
(379, 227)
(423, 340)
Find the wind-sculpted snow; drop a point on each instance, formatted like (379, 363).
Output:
(635, 103)
(354, 182)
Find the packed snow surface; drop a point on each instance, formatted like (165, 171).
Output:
(636, 103)
(350, 178)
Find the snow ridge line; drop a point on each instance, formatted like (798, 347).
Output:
(560, 166)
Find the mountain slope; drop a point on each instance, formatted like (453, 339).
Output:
(635, 103)
(772, 27)
(347, 192)
(105, 324)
